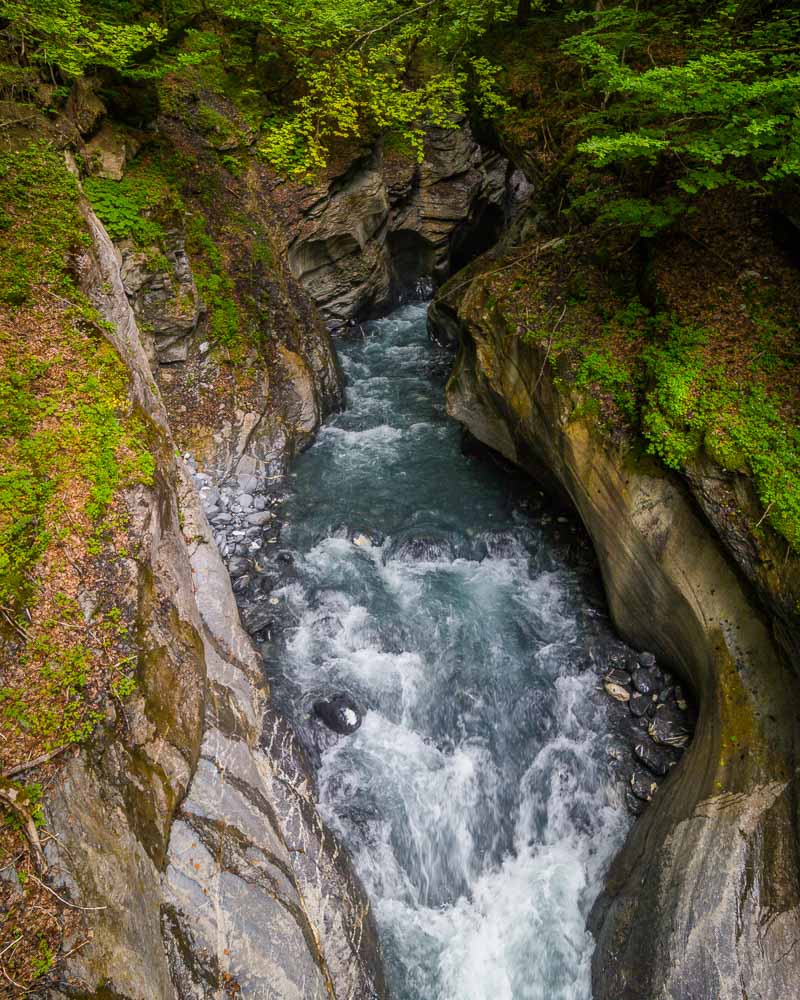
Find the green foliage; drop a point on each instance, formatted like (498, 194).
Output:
(131, 208)
(64, 405)
(709, 92)
(213, 282)
(61, 425)
(66, 34)
(693, 404)
(599, 368)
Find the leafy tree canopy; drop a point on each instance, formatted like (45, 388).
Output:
(706, 94)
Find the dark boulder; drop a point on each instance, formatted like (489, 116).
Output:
(653, 759)
(645, 681)
(670, 728)
(635, 806)
(339, 713)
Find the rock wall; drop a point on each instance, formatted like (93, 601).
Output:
(363, 236)
(704, 900)
(187, 831)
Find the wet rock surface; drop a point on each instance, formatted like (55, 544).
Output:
(339, 713)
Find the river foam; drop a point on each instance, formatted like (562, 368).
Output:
(475, 797)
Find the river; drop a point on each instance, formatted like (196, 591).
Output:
(464, 617)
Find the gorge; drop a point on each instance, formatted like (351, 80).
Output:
(390, 435)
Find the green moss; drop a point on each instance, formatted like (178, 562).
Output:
(600, 369)
(40, 222)
(213, 282)
(662, 378)
(64, 422)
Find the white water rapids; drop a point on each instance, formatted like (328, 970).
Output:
(475, 797)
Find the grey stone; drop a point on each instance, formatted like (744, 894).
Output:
(247, 482)
(259, 518)
(238, 566)
(643, 786)
(645, 681)
(166, 302)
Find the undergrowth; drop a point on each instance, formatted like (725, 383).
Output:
(671, 381)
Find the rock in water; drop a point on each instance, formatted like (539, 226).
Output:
(339, 713)
(643, 786)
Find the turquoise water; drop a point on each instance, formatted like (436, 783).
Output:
(475, 798)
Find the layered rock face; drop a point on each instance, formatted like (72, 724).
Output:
(704, 900)
(189, 832)
(363, 237)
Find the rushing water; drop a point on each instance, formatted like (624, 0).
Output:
(476, 797)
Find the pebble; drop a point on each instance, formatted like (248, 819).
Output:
(646, 660)
(238, 566)
(259, 502)
(259, 518)
(639, 704)
(246, 501)
(667, 732)
(617, 691)
(616, 676)
(248, 483)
